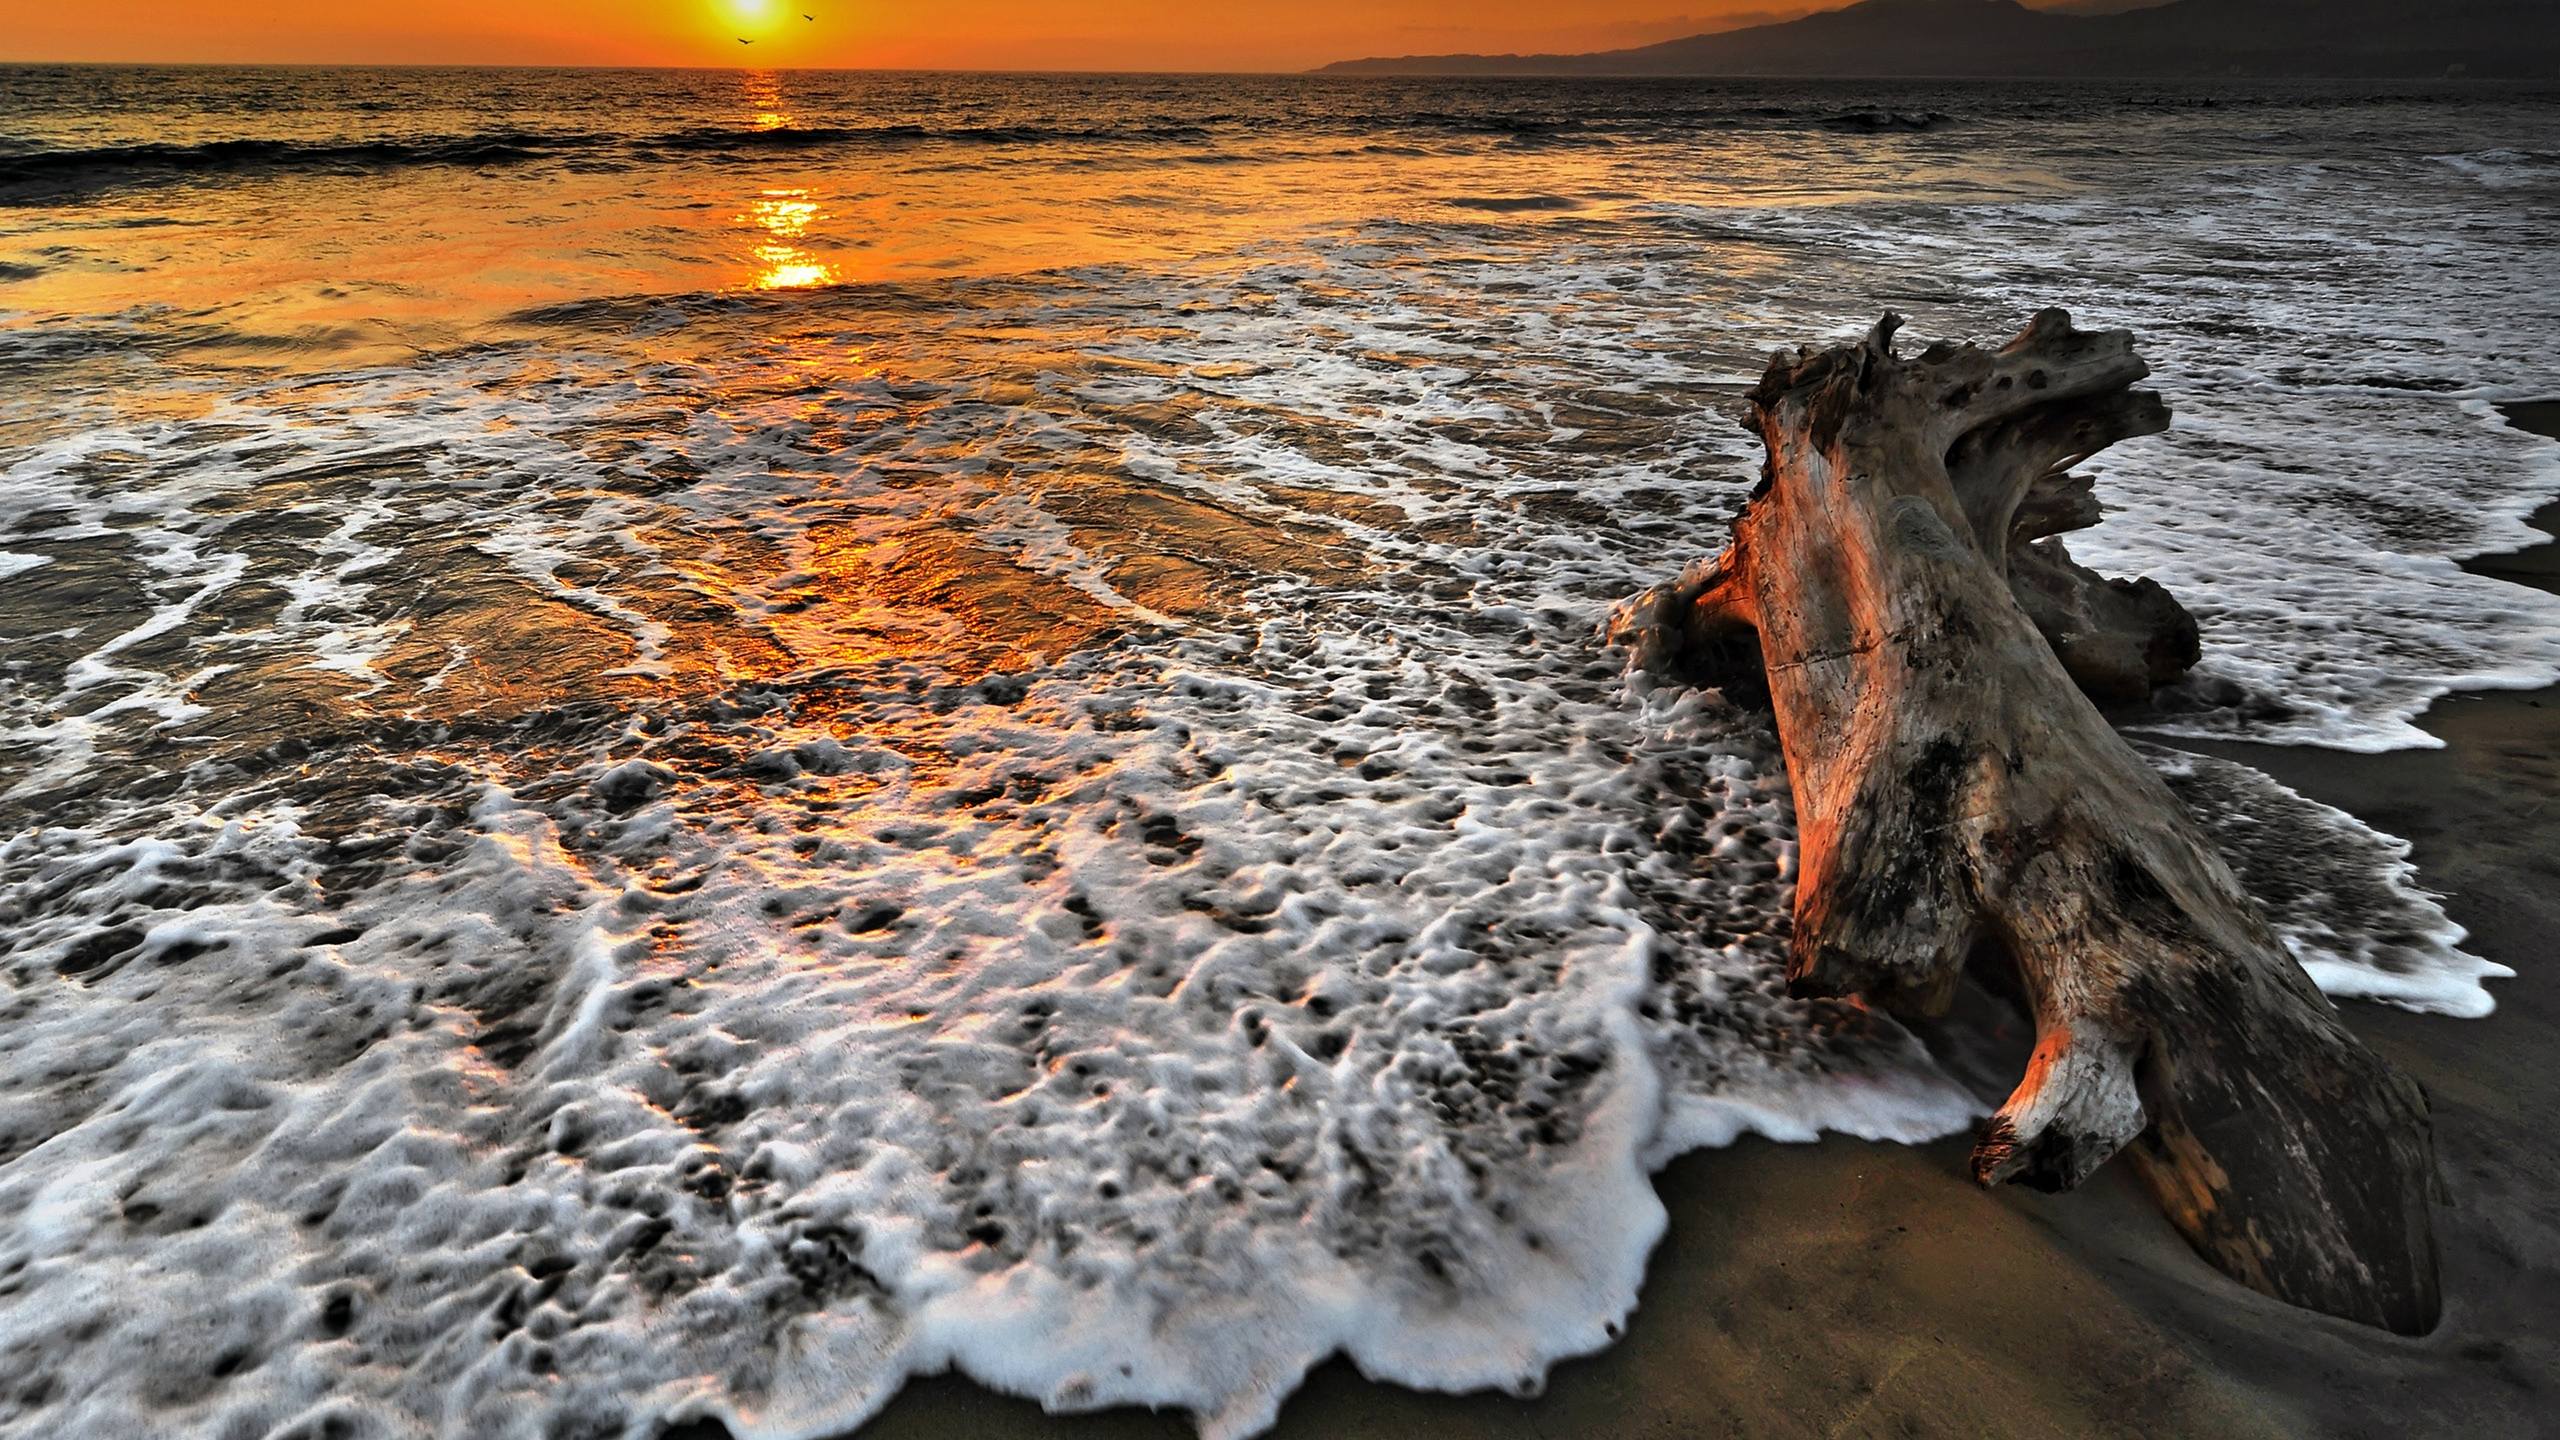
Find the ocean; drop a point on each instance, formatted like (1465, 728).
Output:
(677, 745)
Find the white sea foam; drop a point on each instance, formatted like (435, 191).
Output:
(2503, 168)
(2343, 896)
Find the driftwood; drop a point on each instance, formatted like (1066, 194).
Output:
(1928, 651)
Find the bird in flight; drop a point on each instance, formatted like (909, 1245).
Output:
(746, 42)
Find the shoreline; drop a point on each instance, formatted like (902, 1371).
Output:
(1855, 1288)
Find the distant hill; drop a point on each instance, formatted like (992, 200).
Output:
(2004, 39)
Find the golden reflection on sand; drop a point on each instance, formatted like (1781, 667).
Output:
(849, 592)
(804, 573)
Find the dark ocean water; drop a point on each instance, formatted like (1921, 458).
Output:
(686, 743)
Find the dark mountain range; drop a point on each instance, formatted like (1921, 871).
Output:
(2002, 38)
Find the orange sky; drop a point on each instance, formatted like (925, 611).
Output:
(959, 34)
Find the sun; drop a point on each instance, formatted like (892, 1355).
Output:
(756, 24)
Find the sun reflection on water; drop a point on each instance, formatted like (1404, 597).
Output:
(782, 216)
(768, 108)
(782, 262)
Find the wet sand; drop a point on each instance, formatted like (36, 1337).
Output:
(1846, 1289)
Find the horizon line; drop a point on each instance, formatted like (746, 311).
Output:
(10, 64)
(1327, 71)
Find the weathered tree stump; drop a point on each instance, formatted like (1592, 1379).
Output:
(1928, 650)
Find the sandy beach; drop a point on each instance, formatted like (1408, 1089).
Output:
(1848, 1289)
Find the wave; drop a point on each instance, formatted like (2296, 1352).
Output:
(1880, 121)
(53, 174)
(46, 175)
(40, 175)
(1411, 112)
(795, 137)
(1508, 204)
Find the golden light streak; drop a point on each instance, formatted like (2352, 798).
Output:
(783, 263)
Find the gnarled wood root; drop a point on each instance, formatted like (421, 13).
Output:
(1927, 646)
